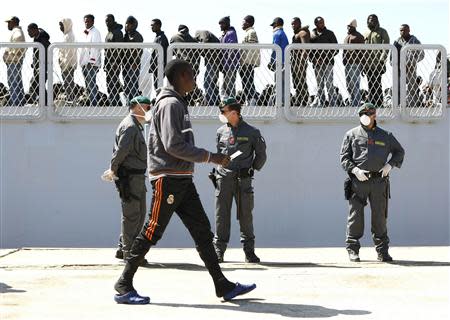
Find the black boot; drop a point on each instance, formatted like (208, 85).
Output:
(251, 257)
(384, 257)
(353, 256)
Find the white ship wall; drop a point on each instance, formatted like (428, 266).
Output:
(52, 195)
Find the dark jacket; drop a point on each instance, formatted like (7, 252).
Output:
(190, 55)
(44, 39)
(162, 40)
(353, 56)
(129, 147)
(171, 145)
(211, 56)
(112, 56)
(246, 139)
(132, 57)
(369, 149)
(323, 56)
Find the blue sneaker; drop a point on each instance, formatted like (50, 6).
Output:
(131, 297)
(238, 290)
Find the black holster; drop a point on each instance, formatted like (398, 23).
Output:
(212, 177)
(123, 184)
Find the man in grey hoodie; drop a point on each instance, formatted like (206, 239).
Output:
(171, 154)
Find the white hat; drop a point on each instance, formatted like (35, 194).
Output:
(353, 23)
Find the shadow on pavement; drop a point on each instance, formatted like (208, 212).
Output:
(4, 288)
(234, 265)
(282, 309)
(411, 263)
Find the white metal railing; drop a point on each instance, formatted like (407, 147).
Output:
(423, 82)
(101, 88)
(314, 91)
(240, 70)
(330, 81)
(22, 81)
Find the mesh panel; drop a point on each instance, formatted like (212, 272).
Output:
(332, 81)
(246, 72)
(83, 90)
(22, 94)
(423, 88)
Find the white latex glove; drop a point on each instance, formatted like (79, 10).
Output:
(109, 176)
(385, 170)
(360, 174)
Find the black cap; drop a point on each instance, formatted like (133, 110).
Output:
(277, 21)
(318, 19)
(182, 26)
(225, 20)
(13, 18)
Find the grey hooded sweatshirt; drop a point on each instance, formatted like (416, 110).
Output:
(171, 146)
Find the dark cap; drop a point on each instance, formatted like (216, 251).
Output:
(13, 18)
(230, 102)
(277, 21)
(250, 19)
(225, 20)
(366, 107)
(318, 19)
(139, 100)
(182, 26)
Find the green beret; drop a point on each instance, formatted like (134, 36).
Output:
(140, 100)
(366, 107)
(230, 101)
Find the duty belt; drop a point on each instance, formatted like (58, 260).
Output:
(373, 175)
(135, 171)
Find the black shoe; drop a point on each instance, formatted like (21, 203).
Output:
(353, 256)
(384, 257)
(251, 257)
(119, 254)
(219, 256)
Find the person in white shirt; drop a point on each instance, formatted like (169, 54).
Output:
(90, 58)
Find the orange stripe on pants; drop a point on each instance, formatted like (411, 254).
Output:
(155, 211)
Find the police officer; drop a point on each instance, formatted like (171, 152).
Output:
(235, 179)
(128, 166)
(364, 156)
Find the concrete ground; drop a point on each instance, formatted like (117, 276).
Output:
(291, 283)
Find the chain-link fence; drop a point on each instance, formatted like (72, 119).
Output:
(330, 81)
(249, 72)
(22, 81)
(423, 82)
(96, 81)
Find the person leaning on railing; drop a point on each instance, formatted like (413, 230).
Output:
(13, 58)
(213, 58)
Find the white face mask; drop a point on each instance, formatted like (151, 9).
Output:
(147, 114)
(365, 120)
(223, 119)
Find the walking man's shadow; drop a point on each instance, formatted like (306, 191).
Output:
(283, 309)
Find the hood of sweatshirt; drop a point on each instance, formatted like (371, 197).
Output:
(169, 91)
(67, 23)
